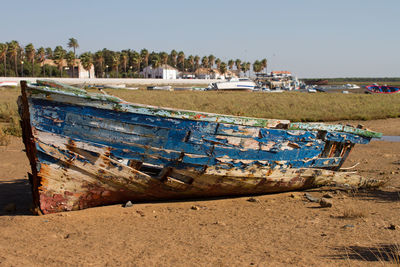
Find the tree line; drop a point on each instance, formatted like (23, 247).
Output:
(18, 61)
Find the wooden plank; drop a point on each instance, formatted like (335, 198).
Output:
(334, 128)
(346, 138)
(114, 103)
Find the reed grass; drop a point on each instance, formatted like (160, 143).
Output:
(9, 114)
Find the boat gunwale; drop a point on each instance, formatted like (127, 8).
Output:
(179, 113)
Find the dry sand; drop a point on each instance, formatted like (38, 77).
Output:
(274, 230)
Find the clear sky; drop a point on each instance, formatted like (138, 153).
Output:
(311, 38)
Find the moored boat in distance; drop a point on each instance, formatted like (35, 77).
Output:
(336, 88)
(165, 88)
(234, 84)
(8, 84)
(87, 149)
(381, 89)
(351, 86)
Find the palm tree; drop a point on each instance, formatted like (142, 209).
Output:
(49, 53)
(59, 55)
(243, 67)
(164, 58)
(204, 62)
(155, 61)
(13, 48)
(264, 64)
(190, 61)
(70, 57)
(230, 64)
(144, 54)
(115, 63)
(99, 61)
(196, 62)
(3, 55)
(30, 54)
(124, 60)
(257, 66)
(136, 59)
(41, 55)
(172, 57)
(238, 64)
(181, 61)
(87, 61)
(73, 43)
(211, 60)
(218, 63)
(21, 57)
(222, 68)
(248, 67)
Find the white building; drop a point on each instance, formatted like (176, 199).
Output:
(165, 72)
(79, 71)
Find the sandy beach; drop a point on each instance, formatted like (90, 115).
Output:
(361, 228)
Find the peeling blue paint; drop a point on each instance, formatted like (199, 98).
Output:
(161, 140)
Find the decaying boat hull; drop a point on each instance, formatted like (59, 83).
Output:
(90, 150)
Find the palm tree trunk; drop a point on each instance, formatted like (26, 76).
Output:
(5, 67)
(15, 65)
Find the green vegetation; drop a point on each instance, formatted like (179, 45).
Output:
(16, 60)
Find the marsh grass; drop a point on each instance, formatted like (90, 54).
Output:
(9, 112)
(293, 106)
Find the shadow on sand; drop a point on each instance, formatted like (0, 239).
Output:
(379, 195)
(383, 253)
(15, 194)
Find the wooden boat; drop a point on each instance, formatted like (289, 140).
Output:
(88, 149)
(381, 89)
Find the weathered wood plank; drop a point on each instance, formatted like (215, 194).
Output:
(346, 138)
(329, 127)
(114, 103)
